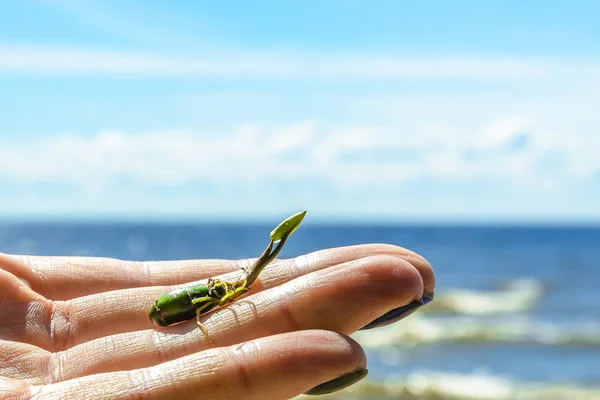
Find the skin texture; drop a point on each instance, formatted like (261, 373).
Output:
(79, 327)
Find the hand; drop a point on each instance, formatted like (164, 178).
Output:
(75, 328)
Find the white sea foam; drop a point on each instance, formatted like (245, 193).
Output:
(431, 385)
(419, 329)
(460, 315)
(516, 296)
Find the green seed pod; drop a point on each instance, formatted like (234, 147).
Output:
(176, 306)
(287, 227)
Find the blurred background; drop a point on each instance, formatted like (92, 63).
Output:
(467, 131)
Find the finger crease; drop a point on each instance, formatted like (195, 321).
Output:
(61, 325)
(147, 273)
(288, 316)
(244, 377)
(55, 368)
(158, 347)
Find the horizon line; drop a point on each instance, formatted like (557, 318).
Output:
(319, 220)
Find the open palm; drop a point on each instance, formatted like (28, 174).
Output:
(78, 328)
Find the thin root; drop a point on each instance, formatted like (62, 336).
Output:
(210, 301)
(232, 295)
(203, 328)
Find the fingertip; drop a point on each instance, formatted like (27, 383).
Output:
(406, 294)
(417, 260)
(401, 276)
(15, 266)
(422, 265)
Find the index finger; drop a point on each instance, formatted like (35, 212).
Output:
(63, 278)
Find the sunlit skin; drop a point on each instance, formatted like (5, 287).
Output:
(77, 327)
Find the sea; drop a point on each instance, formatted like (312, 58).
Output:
(516, 313)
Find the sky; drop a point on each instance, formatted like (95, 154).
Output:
(393, 111)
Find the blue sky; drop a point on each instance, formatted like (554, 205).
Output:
(432, 111)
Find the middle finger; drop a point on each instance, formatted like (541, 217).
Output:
(90, 317)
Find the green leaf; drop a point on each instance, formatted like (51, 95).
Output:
(288, 226)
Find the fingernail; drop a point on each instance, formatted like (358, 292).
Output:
(338, 383)
(428, 298)
(399, 313)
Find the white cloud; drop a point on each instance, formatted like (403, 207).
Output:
(359, 156)
(501, 132)
(277, 65)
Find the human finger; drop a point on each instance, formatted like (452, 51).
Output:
(63, 278)
(90, 317)
(275, 367)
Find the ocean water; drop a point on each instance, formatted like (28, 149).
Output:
(516, 314)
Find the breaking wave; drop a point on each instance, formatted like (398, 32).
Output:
(517, 296)
(461, 315)
(470, 316)
(418, 330)
(431, 385)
